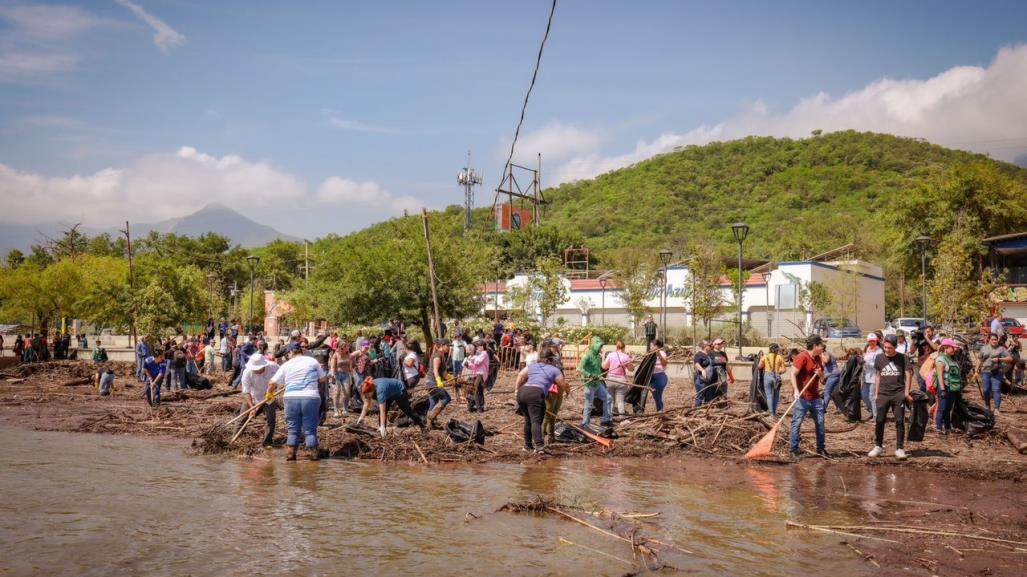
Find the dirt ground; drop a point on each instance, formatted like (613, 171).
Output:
(59, 396)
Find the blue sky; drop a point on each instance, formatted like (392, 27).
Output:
(321, 117)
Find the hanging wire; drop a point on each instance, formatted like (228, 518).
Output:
(534, 76)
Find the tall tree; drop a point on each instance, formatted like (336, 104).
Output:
(547, 282)
(637, 273)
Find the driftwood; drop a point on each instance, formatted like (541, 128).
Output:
(1018, 439)
(78, 382)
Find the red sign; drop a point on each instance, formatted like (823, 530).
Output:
(512, 218)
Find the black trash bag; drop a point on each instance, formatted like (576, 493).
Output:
(848, 393)
(420, 408)
(757, 394)
(638, 395)
(919, 417)
(462, 432)
(197, 382)
(597, 408)
(972, 418)
(567, 434)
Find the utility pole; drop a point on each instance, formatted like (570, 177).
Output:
(133, 340)
(431, 273)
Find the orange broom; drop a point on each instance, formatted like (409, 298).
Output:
(763, 446)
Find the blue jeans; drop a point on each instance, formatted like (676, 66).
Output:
(301, 417)
(832, 381)
(802, 408)
(868, 403)
(658, 383)
(699, 392)
(592, 393)
(438, 395)
(151, 390)
(992, 384)
(139, 368)
(456, 367)
(772, 389)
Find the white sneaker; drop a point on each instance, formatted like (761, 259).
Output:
(336, 414)
(900, 454)
(875, 452)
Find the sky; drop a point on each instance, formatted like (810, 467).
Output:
(325, 117)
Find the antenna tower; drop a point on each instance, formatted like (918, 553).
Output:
(468, 178)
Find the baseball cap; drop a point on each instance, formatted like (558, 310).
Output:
(872, 337)
(891, 339)
(718, 341)
(292, 347)
(949, 343)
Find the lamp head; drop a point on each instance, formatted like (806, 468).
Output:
(740, 230)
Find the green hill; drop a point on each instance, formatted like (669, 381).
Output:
(800, 197)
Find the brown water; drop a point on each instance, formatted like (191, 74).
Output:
(103, 505)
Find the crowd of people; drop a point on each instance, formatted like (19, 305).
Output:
(355, 376)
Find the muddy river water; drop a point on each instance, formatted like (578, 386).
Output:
(76, 504)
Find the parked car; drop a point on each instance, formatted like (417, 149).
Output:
(905, 324)
(836, 329)
(1012, 326)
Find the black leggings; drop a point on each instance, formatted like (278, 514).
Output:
(404, 405)
(897, 403)
(532, 402)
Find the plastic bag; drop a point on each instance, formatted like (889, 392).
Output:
(972, 418)
(919, 419)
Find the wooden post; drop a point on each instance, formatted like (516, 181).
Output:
(431, 274)
(133, 340)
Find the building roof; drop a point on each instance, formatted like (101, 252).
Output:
(1002, 237)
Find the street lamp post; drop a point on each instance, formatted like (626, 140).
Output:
(665, 255)
(253, 260)
(602, 285)
(740, 230)
(924, 241)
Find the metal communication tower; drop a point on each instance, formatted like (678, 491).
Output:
(531, 194)
(468, 178)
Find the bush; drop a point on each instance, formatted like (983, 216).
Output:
(609, 333)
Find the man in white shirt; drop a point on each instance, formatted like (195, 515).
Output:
(302, 377)
(255, 380)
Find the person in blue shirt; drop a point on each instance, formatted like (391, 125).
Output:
(142, 351)
(533, 384)
(154, 370)
(385, 391)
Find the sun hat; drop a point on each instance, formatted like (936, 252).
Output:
(872, 337)
(256, 362)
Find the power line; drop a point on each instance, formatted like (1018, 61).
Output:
(534, 76)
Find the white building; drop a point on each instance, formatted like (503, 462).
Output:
(770, 301)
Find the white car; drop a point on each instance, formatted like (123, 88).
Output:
(905, 324)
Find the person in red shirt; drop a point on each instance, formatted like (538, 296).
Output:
(807, 376)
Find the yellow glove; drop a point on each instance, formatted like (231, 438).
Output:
(270, 396)
(439, 383)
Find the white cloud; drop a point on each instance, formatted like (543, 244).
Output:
(22, 66)
(33, 44)
(165, 37)
(965, 107)
(47, 22)
(336, 190)
(555, 141)
(161, 186)
(356, 126)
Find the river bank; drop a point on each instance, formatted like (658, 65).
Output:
(57, 396)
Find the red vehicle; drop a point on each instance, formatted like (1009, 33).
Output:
(1012, 326)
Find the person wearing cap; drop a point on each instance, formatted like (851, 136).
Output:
(616, 364)
(301, 377)
(435, 384)
(255, 380)
(949, 379)
(477, 364)
(721, 375)
(807, 375)
(892, 382)
(700, 362)
(384, 392)
(870, 354)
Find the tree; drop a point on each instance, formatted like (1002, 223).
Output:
(958, 295)
(637, 274)
(547, 282)
(815, 297)
(15, 258)
(703, 291)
